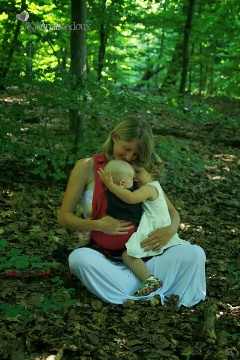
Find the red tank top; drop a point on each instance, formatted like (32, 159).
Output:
(99, 206)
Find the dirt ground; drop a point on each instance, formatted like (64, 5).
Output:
(55, 317)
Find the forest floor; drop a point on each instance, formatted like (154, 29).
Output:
(56, 318)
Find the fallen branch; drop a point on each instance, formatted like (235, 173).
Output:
(181, 134)
(209, 322)
(231, 204)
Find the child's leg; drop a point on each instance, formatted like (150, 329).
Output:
(149, 282)
(136, 265)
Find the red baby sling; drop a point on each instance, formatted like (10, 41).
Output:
(99, 206)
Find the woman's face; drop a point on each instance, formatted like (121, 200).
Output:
(123, 150)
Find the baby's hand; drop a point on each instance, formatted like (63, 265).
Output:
(105, 177)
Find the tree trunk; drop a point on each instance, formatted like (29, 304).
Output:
(6, 65)
(201, 63)
(161, 52)
(200, 71)
(210, 87)
(9, 47)
(186, 41)
(103, 37)
(160, 55)
(173, 69)
(191, 73)
(77, 67)
(149, 73)
(29, 51)
(102, 49)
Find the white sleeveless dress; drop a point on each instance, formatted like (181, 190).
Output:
(155, 215)
(180, 267)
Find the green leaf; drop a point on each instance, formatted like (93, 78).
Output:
(14, 252)
(3, 244)
(43, 175)
(14, 312)
(41, 264)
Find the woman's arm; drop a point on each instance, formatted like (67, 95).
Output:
(161, 236)
(174, 215)
(129, 197)
(82, 175)
(79, 178)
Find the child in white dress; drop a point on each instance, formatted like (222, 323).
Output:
(151, 195)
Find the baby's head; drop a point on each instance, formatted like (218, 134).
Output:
(122, 173)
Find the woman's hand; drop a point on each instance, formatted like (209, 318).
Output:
(112, 226)
(105, 177)
(157, 238)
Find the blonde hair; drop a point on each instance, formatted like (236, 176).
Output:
(129, 130)
(153, 165)
(120, 170)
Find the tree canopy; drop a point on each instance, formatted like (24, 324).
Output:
(130, 43)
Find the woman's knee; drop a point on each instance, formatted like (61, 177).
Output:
(77, 257)
(189, 254)
(199, 254)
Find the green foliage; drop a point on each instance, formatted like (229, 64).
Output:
(15, 312)
(197, 112)
(13, 259)
(35, 130)
(139, 36)
(3, 244)
(234, 271)
(234, 336)
(46, 146)
(179, 161)
(58, 300)
(49, 165)
(201, 111)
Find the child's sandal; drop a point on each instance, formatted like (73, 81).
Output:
(149, 286)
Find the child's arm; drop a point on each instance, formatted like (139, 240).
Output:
(145, 192)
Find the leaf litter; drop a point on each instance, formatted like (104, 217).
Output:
(56, 318)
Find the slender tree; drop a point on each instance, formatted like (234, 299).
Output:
(78, 66)
(103, 37)
(9, 43)
(186, 42)
(29, 52)
(173, 68)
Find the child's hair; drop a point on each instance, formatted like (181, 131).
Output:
(120, 170)
(154, 166)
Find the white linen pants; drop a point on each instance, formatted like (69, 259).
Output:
(181, 269)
